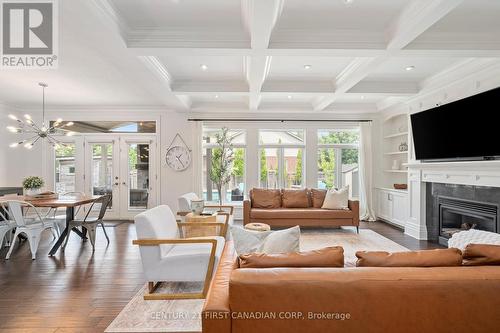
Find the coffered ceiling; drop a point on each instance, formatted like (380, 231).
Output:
(322, 56)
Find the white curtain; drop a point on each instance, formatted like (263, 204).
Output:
(366, 211)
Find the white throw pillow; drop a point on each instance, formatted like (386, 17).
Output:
(336, 199)
(270, 242)
(461, 239)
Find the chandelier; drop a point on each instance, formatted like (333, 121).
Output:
(44, 131)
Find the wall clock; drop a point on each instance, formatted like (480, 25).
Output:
(178, 157)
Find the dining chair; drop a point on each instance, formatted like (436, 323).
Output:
(6, 226)
(90, 223)
(31, 227)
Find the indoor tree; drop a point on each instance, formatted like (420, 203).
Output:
(222, 161)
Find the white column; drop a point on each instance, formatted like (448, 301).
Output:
(416, 226)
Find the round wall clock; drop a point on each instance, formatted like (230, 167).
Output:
(178, 158)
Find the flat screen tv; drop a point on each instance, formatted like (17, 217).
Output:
(467, 129)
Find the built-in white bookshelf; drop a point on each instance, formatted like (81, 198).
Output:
(395, 155)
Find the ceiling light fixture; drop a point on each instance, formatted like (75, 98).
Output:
(203, 67)
(362, 97)
(216, 96)
(348, 2)
(307, 66)
(289, 96)
(36, 132)
(410, 68)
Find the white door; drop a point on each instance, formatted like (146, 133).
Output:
(137, 176)
(399, 210)
(385, 205)
(123, 167)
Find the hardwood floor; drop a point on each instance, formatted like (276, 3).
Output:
(77, 291)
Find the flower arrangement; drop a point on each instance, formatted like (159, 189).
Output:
(32, 182)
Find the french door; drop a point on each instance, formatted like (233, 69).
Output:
(125, 167)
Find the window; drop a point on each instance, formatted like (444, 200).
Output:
(65, 168)
(234, 191)
(338, 159)
(281, 158)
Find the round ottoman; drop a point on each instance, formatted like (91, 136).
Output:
(257, 227)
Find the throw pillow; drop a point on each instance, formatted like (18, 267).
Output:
(461, 239)
(317, 197)
(481, 254)
(280, 241)
(326, 257)
(295, 199)
(336, 199)
(424, 258)
(263, 198)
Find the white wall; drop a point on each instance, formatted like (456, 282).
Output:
(17, 163)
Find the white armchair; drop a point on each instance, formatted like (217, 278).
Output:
(168, 258)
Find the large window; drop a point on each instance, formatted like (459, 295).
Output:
(281, 158)
(338, 159)
(234, 191)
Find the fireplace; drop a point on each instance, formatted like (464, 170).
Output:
(452, 208)
(457, 215)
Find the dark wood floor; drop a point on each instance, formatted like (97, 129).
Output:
(77, 291)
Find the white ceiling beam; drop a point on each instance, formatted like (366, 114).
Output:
(356, 71)
(217, 86)
(297, 86)
(161, 72)
(385, 87)
(416, 18)
(259, 17)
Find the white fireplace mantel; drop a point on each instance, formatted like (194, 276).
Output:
(476, 173)
(479, 173)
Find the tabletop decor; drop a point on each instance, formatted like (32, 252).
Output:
(42, 131)
(32, 185)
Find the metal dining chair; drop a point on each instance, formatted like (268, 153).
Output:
(91, 223)
(31, 227)
(6, 226)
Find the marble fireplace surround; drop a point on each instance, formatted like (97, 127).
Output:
(477, 173)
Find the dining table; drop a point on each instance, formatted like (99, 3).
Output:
(69, 202)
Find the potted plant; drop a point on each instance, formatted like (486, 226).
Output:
(32, 185)
(222, 161)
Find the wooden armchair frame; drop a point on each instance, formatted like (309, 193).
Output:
(223, 225)
(208, 277)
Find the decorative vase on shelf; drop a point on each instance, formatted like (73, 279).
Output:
(403, 146)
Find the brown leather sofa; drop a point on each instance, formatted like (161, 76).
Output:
(356, 300)
(285, 208)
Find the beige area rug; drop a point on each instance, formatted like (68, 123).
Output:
(185, 315)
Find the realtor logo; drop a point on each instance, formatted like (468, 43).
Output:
(29, 34)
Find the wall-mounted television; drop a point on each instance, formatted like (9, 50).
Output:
(467, 129)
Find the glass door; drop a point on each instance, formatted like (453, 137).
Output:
(123, 166)
(138, 175)
(102, 170)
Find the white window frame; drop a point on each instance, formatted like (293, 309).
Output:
(337, 151)
(235, 146)
(281, 154)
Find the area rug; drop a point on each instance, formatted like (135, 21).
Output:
(185, 315)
